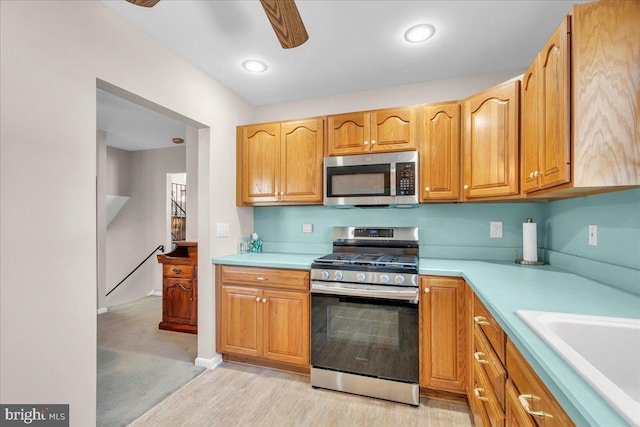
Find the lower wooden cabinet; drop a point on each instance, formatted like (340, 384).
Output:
(443, 333)
(263, 317)
(180, 288)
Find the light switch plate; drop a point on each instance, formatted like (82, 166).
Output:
(593, 235)
(307, 227)
(495, 229)
(222, 230)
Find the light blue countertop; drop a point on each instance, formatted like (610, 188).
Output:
(505, 287)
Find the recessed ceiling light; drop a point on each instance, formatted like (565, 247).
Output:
(254, 66)
(419, 33)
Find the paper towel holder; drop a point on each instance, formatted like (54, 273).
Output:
(525, 262)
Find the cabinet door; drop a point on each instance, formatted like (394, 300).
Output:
(178, 301)
(301, 161)
(259, 170)
(393, 129)
(286, 326)
(554, 112)
(440, 152)
(241, 320)
(490, 142)
(515, 415)
(530, 129)
(442, 308)
(348, 134)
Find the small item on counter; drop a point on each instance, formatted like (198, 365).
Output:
(255, 244)
(243, 245)
(529, 244)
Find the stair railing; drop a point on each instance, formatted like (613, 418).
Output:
(159, 248)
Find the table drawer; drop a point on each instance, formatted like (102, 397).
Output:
(542, 406)
(486, 359)
(266, 277)
(491, 329)
(186, 271)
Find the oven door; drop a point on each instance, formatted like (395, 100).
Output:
(374, 337)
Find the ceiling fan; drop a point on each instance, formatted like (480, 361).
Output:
(282, 14)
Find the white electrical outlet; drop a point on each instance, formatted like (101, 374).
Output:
(307, 227)
(593, 235)
(495, 229)
(222, 230)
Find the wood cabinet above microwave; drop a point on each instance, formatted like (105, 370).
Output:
(392, 129)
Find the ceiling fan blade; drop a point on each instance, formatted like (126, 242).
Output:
(286, 22)
(144, 3)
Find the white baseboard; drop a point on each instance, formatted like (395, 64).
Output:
(209, 363)
(155, 293)
(102, 310)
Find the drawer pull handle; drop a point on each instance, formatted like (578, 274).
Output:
(477, 392)
(177, 270)
(481, 320)
(477, 355)
(260, 278)
(525, 405)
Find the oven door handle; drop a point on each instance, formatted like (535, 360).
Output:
(405, 295)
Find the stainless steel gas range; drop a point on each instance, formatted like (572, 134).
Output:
(364, 314)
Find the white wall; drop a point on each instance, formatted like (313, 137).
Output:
(191, 141)
(118, 179)
(101, 219)
(51, 55)
(141, 224)
(397, 96)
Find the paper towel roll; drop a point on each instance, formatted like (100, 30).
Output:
(529, 241)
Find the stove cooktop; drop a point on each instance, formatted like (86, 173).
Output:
(369, 260)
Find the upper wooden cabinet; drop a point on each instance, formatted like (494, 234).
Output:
(443, 335)
(490, 137)
(280, 163)
(392, 129)
(440, 152)
(546, 136)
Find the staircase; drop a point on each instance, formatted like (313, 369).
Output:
(178, 212)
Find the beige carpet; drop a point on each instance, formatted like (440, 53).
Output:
(138, 364)
(239, 395)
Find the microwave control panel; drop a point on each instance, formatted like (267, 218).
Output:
(405, 179)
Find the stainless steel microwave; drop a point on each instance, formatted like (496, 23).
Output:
(384, 179)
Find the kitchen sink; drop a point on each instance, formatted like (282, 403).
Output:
(604, 351)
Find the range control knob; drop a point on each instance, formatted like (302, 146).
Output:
(399, 280)
(384, 278)
(324, 275)
(338, 275)
(360, 277)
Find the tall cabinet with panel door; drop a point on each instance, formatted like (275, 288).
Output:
(490, 143)
(280, 163)
(440, 152)
(392, 129)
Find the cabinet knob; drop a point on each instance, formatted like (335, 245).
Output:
(525, 405)
(477, 355)
(531, 175)
(260, 278)
(258, 299)
(427, 189)
(477, 392)
(535, 173)
(466, 187)
(282, 193)
(366, 143)
(373, 141)
(264, 300)
(481, 320)
(426, 290)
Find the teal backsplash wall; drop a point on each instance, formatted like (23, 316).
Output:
(457, 230)
(452, 230)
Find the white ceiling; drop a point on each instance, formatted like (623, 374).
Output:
(353, 45)
(132, 127)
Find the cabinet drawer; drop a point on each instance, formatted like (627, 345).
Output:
(534, 392)
(488, 412)
(486, 360)
(265, 277)
(490, 327)
(169, 270)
